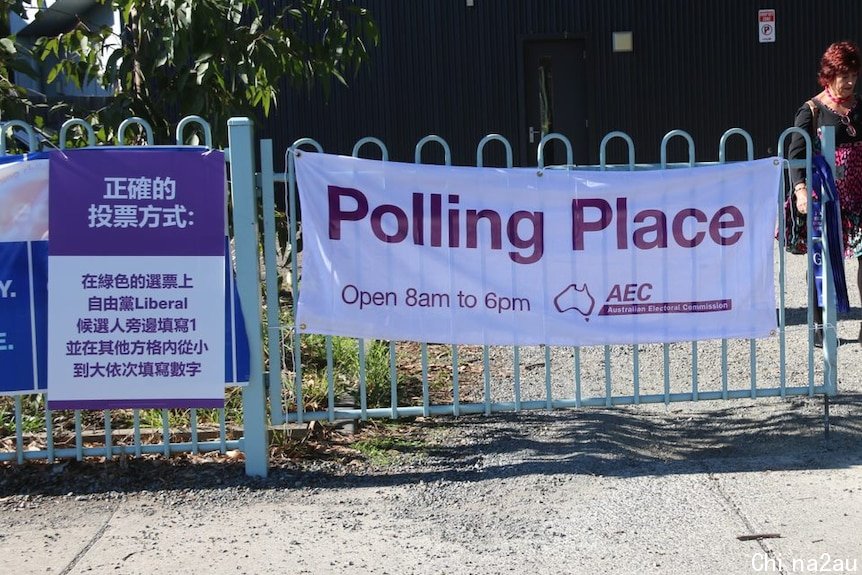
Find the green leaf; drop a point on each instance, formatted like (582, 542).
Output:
(201, 71)
(52, 74)
(206, 56)
(8, 45)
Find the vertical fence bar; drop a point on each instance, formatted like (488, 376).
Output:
(363, 373)
(693, 365)
(752, 353)
(109, 451)
(393, 380)
(330, 380)
(782, 267)
(166, 432)
(577, 361)
(447, 160)
(79, 437)
(830, 317)
(363, 381)
(242, 175)
(49, 434)
(425, 402)
(664, 164)
(272, 272)
(549, 400)
(456, 386)
(722, 159)
(222, 429)
(608, 389)
(292, 216)
(480, 162)
(136, 425)
(486, 392)
(193, 416)
(455, 367)
(724, 367)
(630, 147)
(19, 430)
(808, 240)
(666, 360)
(516, 368)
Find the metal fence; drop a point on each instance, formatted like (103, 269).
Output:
(604, 377)
(98, 434)
(501, 379)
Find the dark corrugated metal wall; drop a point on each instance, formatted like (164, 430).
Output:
(446, 68)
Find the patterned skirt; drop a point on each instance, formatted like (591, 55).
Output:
(850, 196)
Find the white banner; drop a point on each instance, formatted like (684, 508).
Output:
(519, 256)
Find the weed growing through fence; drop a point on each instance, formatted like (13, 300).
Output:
(345, 370)
(33, 417)
(378, 359)
(378, 380)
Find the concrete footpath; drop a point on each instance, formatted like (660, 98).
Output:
(683, 490)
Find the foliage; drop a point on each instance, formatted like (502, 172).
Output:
(378, 360)
(14, 103)
(345, 370)
(385, 449)
(33, 406)
(212, 58)
(32, 415)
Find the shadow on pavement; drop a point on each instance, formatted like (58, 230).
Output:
(740, 436)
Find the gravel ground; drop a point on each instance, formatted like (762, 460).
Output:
(644, 489)
(629, 490)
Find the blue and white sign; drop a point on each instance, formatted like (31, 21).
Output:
(23, 302)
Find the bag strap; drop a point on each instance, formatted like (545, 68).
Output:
(814, 113)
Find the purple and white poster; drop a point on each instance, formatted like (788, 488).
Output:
(136, 284)
(499, 256)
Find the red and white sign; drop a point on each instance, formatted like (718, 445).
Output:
(766, 25)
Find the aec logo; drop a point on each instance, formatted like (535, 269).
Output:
(579, 298)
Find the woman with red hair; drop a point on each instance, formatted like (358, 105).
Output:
(836, 105)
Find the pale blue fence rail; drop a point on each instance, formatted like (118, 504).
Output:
(287, 403)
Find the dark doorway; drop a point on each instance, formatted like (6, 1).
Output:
(554, 99)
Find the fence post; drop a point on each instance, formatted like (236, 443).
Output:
(245, 233)
(830, 319)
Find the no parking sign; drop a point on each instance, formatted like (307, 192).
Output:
(766, 25)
